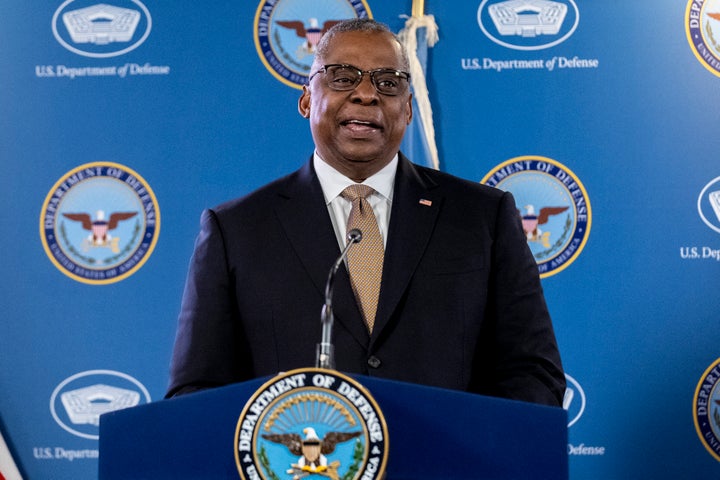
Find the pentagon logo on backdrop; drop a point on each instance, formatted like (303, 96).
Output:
(528, 24)
(553, 205)
(574, 403)
(78, 401)
(702, 27)
(287, 31)
(100, 223)
(100, 30)
(574, 400)
(311, 423)
(706, 409)
(709, 204)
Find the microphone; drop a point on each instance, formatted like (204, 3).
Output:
(325, 351)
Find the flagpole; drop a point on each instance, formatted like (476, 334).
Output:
(418, 8)
(420, 139)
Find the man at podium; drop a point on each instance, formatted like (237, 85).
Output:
(441, 289)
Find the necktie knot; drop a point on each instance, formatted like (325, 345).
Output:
(357, 191)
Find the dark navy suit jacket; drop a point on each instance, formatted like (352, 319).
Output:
(461, 304)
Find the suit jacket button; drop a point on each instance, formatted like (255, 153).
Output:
(374, 362)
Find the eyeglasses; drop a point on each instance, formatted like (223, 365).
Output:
(344, 78)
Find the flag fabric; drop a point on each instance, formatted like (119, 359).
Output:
(8, 469)
(419, 34)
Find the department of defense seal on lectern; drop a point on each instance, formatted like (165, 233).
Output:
(311, 423)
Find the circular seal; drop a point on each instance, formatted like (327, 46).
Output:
(706, 409)
(702, 27)
(287, 31)
(99, 30)
(554, 207)
(534, 25)
(100, 223)
(311, 421)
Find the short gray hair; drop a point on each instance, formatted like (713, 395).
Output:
(358, 25)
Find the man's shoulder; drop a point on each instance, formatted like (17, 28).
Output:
(263, 197)
(453, 185)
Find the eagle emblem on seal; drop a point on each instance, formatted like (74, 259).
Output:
(100, 228)
(312, 451)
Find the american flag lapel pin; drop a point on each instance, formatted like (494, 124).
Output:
(426, 202)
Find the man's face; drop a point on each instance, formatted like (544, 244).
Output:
(358, 131)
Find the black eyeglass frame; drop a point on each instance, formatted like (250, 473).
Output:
(398, 73)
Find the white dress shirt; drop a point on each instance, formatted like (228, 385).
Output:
(334, 182)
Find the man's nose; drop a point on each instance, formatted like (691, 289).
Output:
(365, 89)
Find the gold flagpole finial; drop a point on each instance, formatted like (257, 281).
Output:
(418, 8)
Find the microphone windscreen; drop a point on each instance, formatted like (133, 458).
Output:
(354, 235)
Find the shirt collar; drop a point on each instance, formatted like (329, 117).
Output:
(334, 182)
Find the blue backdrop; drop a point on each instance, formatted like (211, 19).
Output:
(164, 108)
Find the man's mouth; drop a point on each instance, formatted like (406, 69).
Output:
(360, 125)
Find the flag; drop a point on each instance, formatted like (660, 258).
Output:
(419, 34)
(8, 470)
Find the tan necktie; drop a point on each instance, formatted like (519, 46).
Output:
(365, 260)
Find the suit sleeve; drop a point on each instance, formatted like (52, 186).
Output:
(209, 345)
(518, 352)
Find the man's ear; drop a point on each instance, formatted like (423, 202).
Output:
(409, 109)
(304, 102)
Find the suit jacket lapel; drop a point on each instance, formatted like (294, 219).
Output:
(414, 213)
(303, 213)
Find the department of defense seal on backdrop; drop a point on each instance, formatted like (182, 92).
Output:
(287, 31)
(706, 409)
(100, 223)
(702, 26)
(311, 423)
(553, 205)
